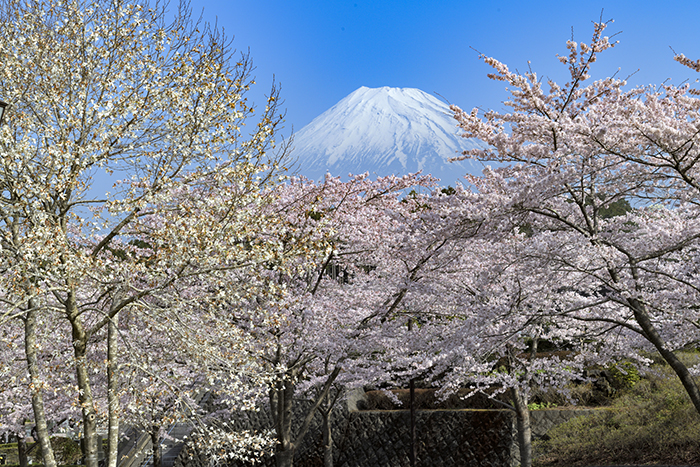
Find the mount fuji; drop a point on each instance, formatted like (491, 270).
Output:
(384, 131)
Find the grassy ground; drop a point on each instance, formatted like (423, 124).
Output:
(67, 452)
(653, 422)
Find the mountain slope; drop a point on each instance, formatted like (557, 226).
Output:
(384, 131)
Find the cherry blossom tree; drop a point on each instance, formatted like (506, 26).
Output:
(170, 359)
(332, 234)
(569, 153)
(141, 93)
(390, 268)
(459, 289)
(16, 409)
(484, 331)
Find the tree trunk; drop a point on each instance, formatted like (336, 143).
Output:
(644, 321)
(155, 442)
(327, 442)
(522, 415)
(283, 399)
(88, 410)
(412, 408)
(22, 452)
(284, 458)
(112, 393)
(30, 348)
(85, 394)
(327, 412)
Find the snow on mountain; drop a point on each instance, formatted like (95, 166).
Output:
(384, 131)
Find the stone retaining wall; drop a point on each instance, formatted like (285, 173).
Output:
(365, 438)
(444, 438)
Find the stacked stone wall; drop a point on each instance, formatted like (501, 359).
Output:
(444, 438)
(361, 438)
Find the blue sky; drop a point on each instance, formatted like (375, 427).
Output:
(322, 50)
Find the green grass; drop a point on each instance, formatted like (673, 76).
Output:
(653, 421)
(66, 451)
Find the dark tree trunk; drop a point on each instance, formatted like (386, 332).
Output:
(155, 441)
(284, 458)
(22, 452)
(412, 403)
(281, 401)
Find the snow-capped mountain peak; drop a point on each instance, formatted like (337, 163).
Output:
(384, 131)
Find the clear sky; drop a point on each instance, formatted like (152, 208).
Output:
(322, 50)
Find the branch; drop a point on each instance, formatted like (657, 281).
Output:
(115, 231)
(317, 404)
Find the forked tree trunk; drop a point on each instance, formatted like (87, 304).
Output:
(281, 403)
(30, 348)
